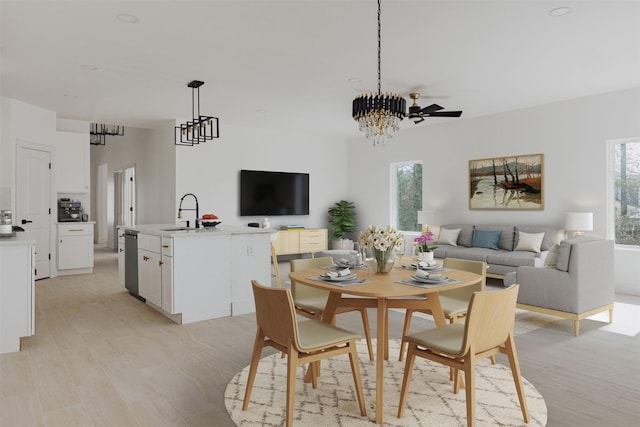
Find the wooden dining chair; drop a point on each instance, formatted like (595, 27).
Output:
(454, 302)
(311, 302)
(274, 259)
(488, 330)
(305, 342)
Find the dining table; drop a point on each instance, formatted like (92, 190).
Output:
(382, 291)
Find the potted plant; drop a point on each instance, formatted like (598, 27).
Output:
(342, 220)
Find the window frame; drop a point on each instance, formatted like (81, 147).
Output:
(393, 181)
(610, 193)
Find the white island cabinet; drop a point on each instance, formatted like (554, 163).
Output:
(75, 248)
(199, 274)
(17, 292)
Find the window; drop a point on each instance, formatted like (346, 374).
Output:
(626, 192)
(406, 195)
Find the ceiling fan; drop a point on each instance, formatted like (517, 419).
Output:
(417, 114)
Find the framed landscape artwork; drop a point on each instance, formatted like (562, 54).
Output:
(513, 182)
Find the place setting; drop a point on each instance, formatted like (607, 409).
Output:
(426, 278)
(341, 277)
(430, 266)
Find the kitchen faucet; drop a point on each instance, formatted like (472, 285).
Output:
(197, 209)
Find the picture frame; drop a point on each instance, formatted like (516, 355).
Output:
(507, 183)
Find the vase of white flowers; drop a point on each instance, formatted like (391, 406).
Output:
(380, 241)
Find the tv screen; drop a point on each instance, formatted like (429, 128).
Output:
(273, 193)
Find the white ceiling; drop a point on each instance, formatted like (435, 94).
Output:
(288, 64)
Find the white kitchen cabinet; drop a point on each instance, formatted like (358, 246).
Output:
(17, 292)
(121, 254)
(75, 248)
(150, 269)
(201, 274)
(167, 275)
(72, 163)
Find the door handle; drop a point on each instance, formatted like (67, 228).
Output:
(26, 221)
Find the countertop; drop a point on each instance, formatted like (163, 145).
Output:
(19, 239)
(178, 230)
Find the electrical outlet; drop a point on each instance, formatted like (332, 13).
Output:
(249, 250)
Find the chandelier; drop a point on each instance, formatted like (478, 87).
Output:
(379, 114)
(98, 132)
(200, 128)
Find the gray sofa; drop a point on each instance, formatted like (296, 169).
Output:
(578, 286)
(505, 259)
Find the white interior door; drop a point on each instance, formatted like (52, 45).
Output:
(129, 196)
(33, 192)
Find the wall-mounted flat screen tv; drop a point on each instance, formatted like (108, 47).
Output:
(273, 193)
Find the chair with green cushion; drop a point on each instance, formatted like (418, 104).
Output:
(454, 302)
(305, 342)
(311, 302)
(487, 331)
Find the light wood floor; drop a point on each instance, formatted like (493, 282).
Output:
(101, 357)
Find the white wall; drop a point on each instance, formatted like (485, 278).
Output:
(572, 135)
(147, 151)
(211, 171)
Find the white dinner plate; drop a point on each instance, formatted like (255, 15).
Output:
(339, 278)
(427, 280)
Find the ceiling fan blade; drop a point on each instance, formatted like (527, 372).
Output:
(445, 114)
(431, 108)
(417, 119)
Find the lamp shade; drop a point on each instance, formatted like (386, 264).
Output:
(579, 221)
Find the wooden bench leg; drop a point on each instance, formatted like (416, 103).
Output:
(576, 327)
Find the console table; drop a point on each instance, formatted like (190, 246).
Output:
(301, 241)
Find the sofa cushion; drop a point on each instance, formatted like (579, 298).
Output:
(449, 236)
(552, 236)
(530, 242)
(466, 233)
(506, 238)
(486, 238)
(551, 261)
(511, 258)
(473, 254)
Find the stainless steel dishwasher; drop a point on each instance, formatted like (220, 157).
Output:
(131, 262)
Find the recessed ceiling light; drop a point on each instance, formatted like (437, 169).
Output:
(127, 18)
(69, 96)
(560, 11)
(354, 80)
(89, 67)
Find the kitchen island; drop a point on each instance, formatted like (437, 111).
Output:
(17, 292)
(192, 274)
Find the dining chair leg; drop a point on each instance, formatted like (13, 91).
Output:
(405, 331)
(408, 369)
(357, 379)
(367, 331)
(253, 368)
(512, 354)
(470, 389)
(276, 269)
(292, 365)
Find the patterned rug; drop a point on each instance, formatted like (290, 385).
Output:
(430, 401)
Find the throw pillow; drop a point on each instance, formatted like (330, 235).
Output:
(486, 239)
(564, 253)
(449, 236)
(551, 261)
(529, 242)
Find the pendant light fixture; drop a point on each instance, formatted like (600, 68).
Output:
(98, 132)
(379, 114)
(200, 128)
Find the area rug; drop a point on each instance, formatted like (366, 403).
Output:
(430, 401)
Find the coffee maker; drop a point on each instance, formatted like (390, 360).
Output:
(5, 222)
(69, 210)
